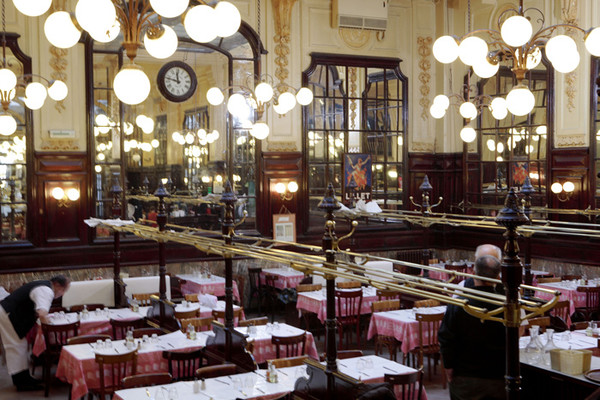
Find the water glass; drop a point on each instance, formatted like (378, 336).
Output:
(154, 338)
(275, 325)
(173, 395)
(62, 315)
(237, 383)
(269, 327)
(159, 395)
(108, 344)
(250, 381)
(184, 304)
(106, 312)
(145, 339)
(99, 344)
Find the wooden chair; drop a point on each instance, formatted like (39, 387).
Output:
(255, 287)
(429, 324)
(349, 304)
(426, 303)
(571, 277)
(388, 294)
(381, 341)
(186, 314)
(343, 354)
(410, 385)
(113, 368)
(385, 305)
(271, 294)
(294, 345)
(457, 268)
(288, 361)
(140, 332)
(214, 371)
(143, 298)
(56, 336)
(199, 324)
(83, 339)
(183, 365)
(241, 284)
(542, 322)
(191, 297)
(348, 285)
(219, 315)
(142, 380)
(309, 287)
(90, 307)
(592, 302)
(549, 280)
(577, 326)
(254, 321)
(562, 309)
(120, 327)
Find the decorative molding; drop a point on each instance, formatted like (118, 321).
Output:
(355, 38)
(353, 106)
(569, 16)
(282, 13)
(60, 145)
(282, 146)
(422, 147)
(573, 140)
(424, 49)
(59, 63)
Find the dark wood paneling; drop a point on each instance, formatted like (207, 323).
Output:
(571, 165)
(445, 175)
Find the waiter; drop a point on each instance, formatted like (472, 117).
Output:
(18, 314)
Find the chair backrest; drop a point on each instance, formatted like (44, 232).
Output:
(309, 287)
(294, 345)
(570, 277)
(140, 332)
(193, 297)
(220, 314)
(407, 270)
(592, 296)
(270, 280)
(348, 285)
(113, 368)
(199, 324)
(288, 361)
(577, 326)
(142, 380)
(429, 324)
(90, 307)
(82, 339)
(410, 385)
(254, 321)
(183, 365)
(410, 255)
(426, 303)
(542, 322)
(241, 284)
(214, 371)
(120, 327)
(349, 304)
(186, 314)
(388, 294)
(254, 278)
(343, 354)
(457, 268)
(56, 336)
(143, 298)
(549, 280)
(562, 309)
(385, 305)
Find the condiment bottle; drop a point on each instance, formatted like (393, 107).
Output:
(196, 385)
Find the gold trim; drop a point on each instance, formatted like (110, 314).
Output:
(60, 145)
(282, 13)
(424, 49)
(355, 38)
(59, 65)
(422, 147)
(573, 140)
(353, 105)
(282, 146)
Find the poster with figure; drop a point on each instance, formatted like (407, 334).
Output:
(357, 177)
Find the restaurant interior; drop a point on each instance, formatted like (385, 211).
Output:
(281, 198)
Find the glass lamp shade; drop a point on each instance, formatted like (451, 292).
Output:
(304, 96)
(131, 84)
(73, 194)
(169, 8)
(8, 125)
(201, 133)
(437, 111)
(107, 35)
(468, 134)
(445, 49)
(215, 134)
(215, 96)
(500, 147)
(263, 92)
(292, 187)
(520, 100)
(32, 8)
(260, 130)
(498, 108)
(287, 100)
(566, 63)
(468, 110)
(558, 46)
(568, 186)
(36, 92)
(491, 145)
(58, 193)
(556, 188)
(189, 138)
(155, 143)
(442, 100)
(592, 42)
(228, 19)
(60, 30)
(34, 104)
(95, 15)
(163, 46)
(8, 79)
(280, 109)
(516, 31)
(140, 120)
(533, 58)
(146, 147)
(280, 188)
(176, 136)
(200, 23)
(237, 105)
(485, 69)
(472, 50)
(58, 91)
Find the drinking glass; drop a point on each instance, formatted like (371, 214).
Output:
(173, 395)
(106, 312)
(275, 325)
(250, 381)
(154, 338)
(237, 383)
(159, 395)
(269, 327)
(99, 344)
(108, 344)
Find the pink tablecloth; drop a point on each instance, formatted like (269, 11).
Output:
(568, 291)
(316, 302)
(214, 285)
(442, 275)
(400, 324)
(286, 278)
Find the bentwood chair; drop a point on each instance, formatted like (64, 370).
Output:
(390, 342)
(348, 285)
(349, 305)
(562, 309)
(83, 339)
(388, 294)
(199, 324)
(143, 298)
(120, 327)
(410, 386)
(254, 321)
(343, 354)
(542, 322)
(183, 365)
(214, 371)
(591, 311)
(293, 345)
(186, 314)
(142, 380)
(255, 287)
(56, 336)
(140, 332)
(426, 303)
(288, 361)
(549, 280)
(113, 368)
(219, 315)
(429, 325)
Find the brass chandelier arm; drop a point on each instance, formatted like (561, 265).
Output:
(133, 16)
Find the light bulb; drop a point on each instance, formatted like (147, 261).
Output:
(200, 23)
(73, 194)
(445, 49)
(567, 62)
(95, 15)
(201, 133)
(287, 100)
(472, 50)
(292, 187)
(263, 92)
(228, 19)
(32, 8)
(36, 92)
(155, 143)
(280, 188)
(468, 110)
(163, 46)
(98, 168)
(58, 91)
(437, 111)
(558, 46)
(146, 147)
(33, 104)
(101, 120)
(485, 69)
(189, 138)
(498, 108)
(304, 96)
(468, 134)
(60, 30)
(260, 130)
(169, 8)
(491, 145)
(8, 79)
(592, 42)
(568, 186)
(176, 136)
(140, 120)
(516, 31)
(556, 187)
(215, 96)
(131, 84)
(58, 193)
(280, 109)
(442, 100)
(541, 130)
(520, 100)
(237, 105)
(215, 134)
(8, 125)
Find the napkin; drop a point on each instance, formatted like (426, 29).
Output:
(207, 300)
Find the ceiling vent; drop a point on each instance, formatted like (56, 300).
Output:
(360, 14)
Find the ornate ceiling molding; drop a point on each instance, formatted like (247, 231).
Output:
(282, 146)
(572, 140)
(424, 49)
(282, 13)
(355, 38)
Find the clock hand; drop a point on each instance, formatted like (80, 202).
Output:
(171, 79)
(177, 75)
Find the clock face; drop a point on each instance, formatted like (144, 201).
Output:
(177, 81)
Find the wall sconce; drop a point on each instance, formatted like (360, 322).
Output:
(286, 192)
(65, 197)
(563, 191)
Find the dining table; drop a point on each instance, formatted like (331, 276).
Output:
(215, 285)
(442, 275)
(287, 278)
(316, 301)
(568, 291)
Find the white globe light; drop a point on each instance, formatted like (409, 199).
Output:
(189, 138)
(131, 84)
(287, 100)
(558, 46)
(472, 50)
(442, 100)
(146, 147)
(58, 90)
(445, 49)
(36, 92)
(498, 108)
(155, 143)
(148, 126)
(200, 23)
(33, 104)
(228, 19)
(260, 130)
(556, 188)
(491, 145)
(58, 193)
(32, 8)
(73, 194)
(541, 130)
(520, 100)
(533, 58)
(263, 92)
(468, 134)
(280, 109)
(215, 96)
(468, 110)
(568, 186)
(304, 96)
(101, 120)
(95, 15)
(60, 30)
(201, 133)
(293, 187)
(567, 63)
(280, 187)
(140, 120)
(169, 8)
(163, 46)
(98, 168)
(592, 42)
(136, 157)
(500, 147)
(8, 125)
(176, 136)
(516, 31)
(237, 105)
(215, 134)
(8, 79)
(485, 69)
(437, 111)
(107, 35)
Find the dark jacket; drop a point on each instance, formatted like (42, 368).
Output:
(470, 347)
(21, 309)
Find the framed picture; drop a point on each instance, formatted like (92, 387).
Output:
(284, 227)
(357, 177)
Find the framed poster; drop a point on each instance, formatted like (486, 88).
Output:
(357, 177)
(284, 227)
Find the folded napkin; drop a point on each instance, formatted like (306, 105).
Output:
(94, 222)
(207, 300)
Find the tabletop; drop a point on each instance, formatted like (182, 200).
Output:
(287, 277)
(315, 302)
(215, 285)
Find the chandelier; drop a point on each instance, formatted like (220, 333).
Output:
(138, 20)
(520, 45)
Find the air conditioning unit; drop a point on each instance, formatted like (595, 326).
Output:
(360, 14)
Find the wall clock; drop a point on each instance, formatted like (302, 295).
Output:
(176, 81)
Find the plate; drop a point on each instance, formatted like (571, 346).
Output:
(593, 375)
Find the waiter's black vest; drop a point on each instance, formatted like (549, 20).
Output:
(20, 308)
